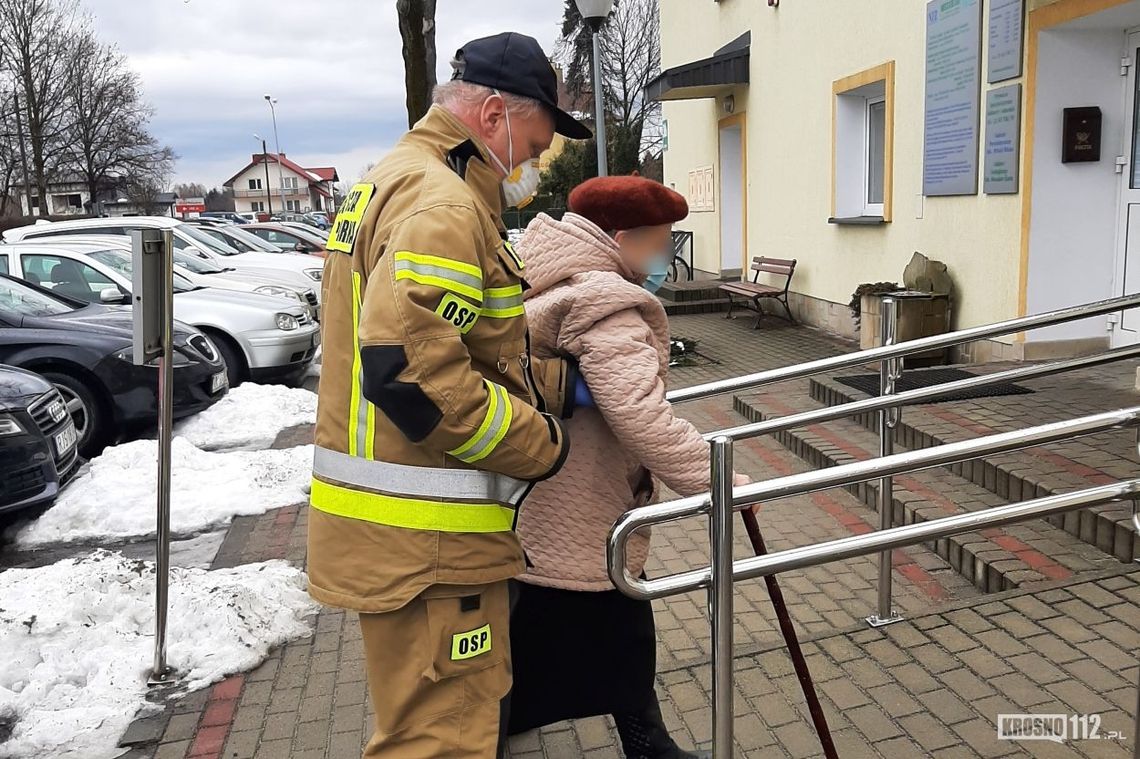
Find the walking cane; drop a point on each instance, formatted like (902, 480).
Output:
(789, 631)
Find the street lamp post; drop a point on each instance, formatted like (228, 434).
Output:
(265, 160)
(277, 142)
(595, 13)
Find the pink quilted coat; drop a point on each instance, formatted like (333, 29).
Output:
(585, 302)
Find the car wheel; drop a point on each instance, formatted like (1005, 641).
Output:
(92, 422)
(232, 358)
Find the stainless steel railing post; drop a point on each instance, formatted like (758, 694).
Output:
(890, 371)
(720, 597)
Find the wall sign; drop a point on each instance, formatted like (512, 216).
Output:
(702, 190)
(1006, 39)
(1081, 135)
(953, 86)
(1003, 141)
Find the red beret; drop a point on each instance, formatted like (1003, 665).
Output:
(616, 203)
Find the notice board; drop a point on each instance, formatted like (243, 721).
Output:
(1003, 140)
(953, 91)
(1006, 39)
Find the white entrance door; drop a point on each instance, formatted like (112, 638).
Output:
(731, 200)
(1127, 280)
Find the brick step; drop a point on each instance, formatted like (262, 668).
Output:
(706, 306)
(697, 289)
(993, 559)
(1023, 475)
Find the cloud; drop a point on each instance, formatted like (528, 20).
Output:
(335, 67)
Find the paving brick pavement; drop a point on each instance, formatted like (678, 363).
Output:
(929, 686)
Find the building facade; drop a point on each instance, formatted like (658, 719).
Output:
(272, 182)
(996, 136)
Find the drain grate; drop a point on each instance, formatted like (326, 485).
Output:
(924, 378)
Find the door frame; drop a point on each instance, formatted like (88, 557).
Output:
(1120, 253)
(741, 120)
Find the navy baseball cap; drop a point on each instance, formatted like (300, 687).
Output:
(515, 63)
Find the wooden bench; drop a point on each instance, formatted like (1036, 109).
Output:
(757, 292)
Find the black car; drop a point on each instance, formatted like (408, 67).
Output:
(38, 452)
(85, 351)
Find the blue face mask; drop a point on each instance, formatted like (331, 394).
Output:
(658, 271)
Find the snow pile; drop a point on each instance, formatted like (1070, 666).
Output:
(78, 637)
(115, 497)
(249, 417)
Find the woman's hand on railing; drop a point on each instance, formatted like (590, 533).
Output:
(740, 480)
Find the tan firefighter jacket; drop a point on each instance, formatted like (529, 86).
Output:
(433, 420)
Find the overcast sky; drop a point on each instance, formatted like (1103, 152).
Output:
(335, 66)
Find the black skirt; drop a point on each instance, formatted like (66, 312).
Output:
(579, 654)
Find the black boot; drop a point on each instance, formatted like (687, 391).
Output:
(643, 736)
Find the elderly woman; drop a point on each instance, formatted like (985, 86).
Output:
(581, 648)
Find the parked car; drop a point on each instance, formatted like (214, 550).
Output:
(292, 236)
(318, 219)
(249, 216)
(202, 272)
(236, 237)
(231, 216)
(85, 351)
(259, 337)
(301, 270)
(38, 441)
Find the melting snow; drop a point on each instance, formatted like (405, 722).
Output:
(78, 636)
(250, 416)
(115, 496)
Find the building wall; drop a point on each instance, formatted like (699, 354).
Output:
(796, 55)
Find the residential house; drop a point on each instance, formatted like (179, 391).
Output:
(997, 136)
(271, 179)
(66, 196)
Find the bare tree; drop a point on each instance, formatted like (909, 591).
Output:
(631, 59)
(9, 151)
(417, 30)
(108, 140)
(36, 46)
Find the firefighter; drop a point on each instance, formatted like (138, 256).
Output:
(434, 420)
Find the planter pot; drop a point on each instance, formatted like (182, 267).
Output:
(920, 315)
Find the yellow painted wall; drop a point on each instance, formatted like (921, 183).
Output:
(798, 51)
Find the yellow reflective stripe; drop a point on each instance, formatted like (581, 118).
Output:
(443, 263)
(504, 292)
(444, 284)
(357, 394)
(410, 513)
(503, 302)
(493, 429)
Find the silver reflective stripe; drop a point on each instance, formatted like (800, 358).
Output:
(362, 430)
(500, 304)
(418, 481)
(439, 272)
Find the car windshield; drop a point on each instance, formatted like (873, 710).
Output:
(26, 301)
(196, 265)
(204, 240)
(121, 262)
(251, 240)
(307, 233)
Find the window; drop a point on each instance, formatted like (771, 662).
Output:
(255, 184)
(3, 263)
(293, 205)
(66, 277)
(863, 146)
(75, 201)
(289, 183)
(257, 207)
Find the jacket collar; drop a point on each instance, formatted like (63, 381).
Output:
(441, 132)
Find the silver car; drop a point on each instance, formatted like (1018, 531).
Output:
(260, 337)
(203, 272)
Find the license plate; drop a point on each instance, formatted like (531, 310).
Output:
(65, 440)
(217, 382)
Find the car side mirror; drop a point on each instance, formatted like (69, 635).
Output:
(113, 296)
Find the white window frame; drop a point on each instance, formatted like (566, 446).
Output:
(255, 184)
(289, 183)
(256, 206)
(293, 206)
(869, 208)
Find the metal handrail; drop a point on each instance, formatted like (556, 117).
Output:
(949, 340)
(809, 482)
(922, 395)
